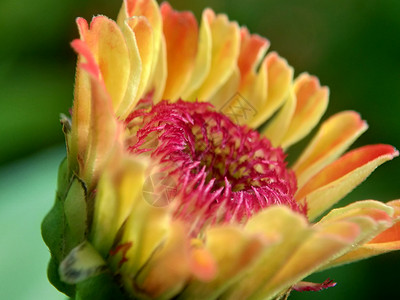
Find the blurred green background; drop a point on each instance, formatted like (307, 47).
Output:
(353, 46)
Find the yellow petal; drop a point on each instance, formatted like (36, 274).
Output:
(333, 137)
(181, 36)
(311, 103)
(225, 51)
(340, 177)
(276, 77)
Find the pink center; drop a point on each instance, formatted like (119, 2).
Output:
(223, 172)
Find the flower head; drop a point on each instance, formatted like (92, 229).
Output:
(169, 191)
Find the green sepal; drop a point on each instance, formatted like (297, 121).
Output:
(65, 226)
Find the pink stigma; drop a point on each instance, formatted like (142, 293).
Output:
(223, 172)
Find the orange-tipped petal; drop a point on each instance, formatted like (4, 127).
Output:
(312, 101)
(224, 54)
(181, 36)
(203, 264)
(276, 78)
(340, 177)
(333, 137)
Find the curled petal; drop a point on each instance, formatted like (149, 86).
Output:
(333, 137)
(303, 286)
(340, 177)
(102, 128)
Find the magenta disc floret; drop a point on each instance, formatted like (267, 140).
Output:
(223, 172)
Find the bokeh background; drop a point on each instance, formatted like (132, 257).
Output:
(353, 46)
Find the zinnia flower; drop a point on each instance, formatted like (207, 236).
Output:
(170, 192)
